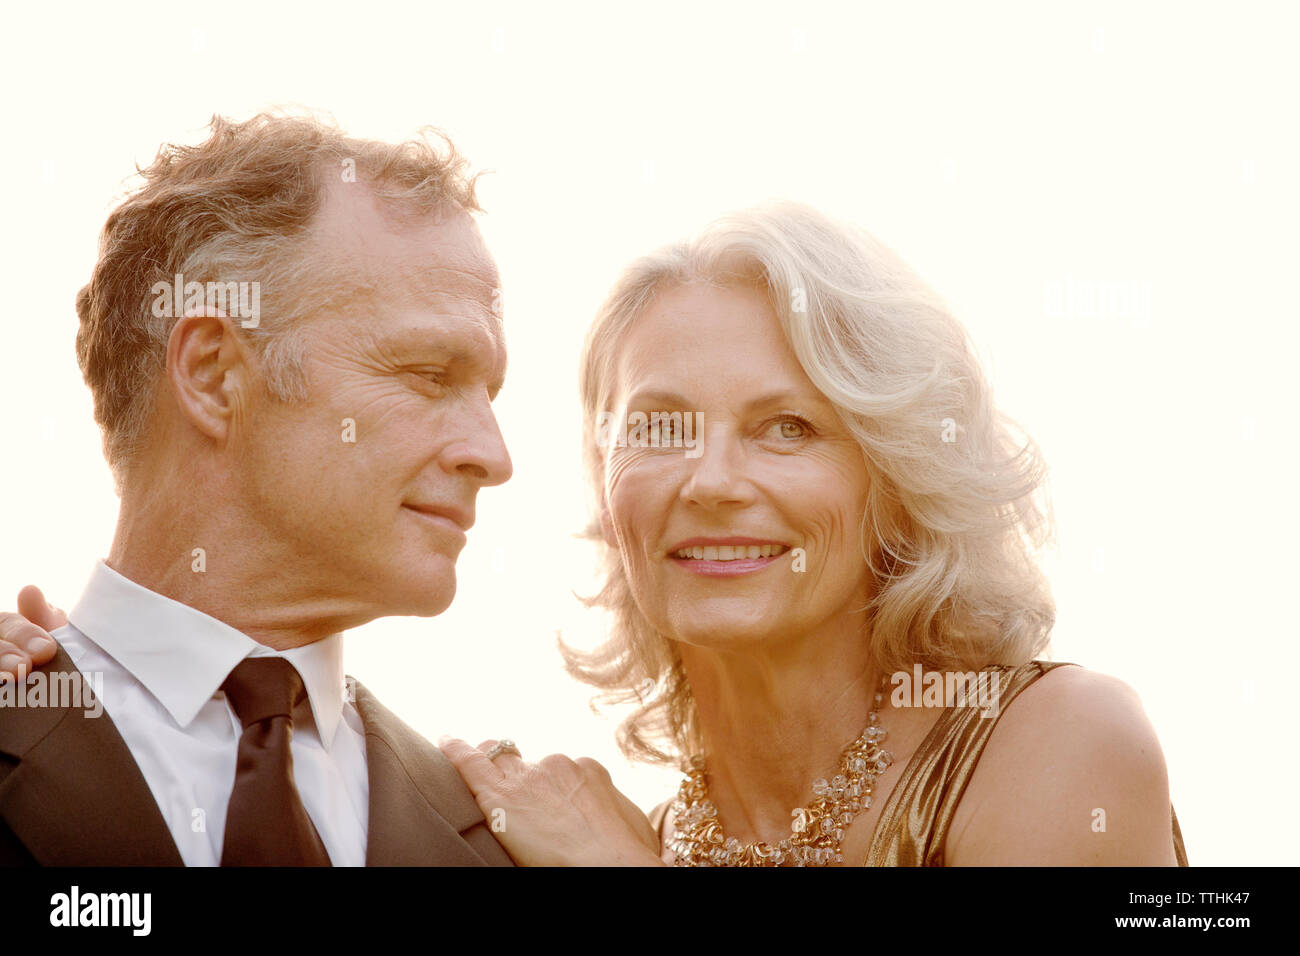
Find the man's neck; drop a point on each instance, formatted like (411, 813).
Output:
(206, 559)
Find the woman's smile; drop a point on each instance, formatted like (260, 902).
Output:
(726, 557)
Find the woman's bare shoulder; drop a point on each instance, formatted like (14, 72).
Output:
(1072, 774)
(1072, 693)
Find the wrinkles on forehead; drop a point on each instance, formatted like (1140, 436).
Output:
(343, 282)
(364, 253)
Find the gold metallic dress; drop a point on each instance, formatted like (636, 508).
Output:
(913, 825)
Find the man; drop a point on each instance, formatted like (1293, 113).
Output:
(292, 340)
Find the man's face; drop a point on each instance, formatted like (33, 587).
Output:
(365, 490)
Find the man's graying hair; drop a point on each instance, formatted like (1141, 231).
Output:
(235, 208)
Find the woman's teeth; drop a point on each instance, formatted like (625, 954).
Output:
(725, 552)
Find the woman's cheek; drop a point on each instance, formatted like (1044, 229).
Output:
(619, 489)
(626, 493)
(637, 474)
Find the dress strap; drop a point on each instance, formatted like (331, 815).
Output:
(657, 817)
(913, 825)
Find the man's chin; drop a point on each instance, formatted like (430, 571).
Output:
(423, 590)
(432, 608)
(429, 600)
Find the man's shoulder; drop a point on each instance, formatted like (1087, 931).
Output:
(407, 768)
(31, 709)
(62, 758)
(380, 724)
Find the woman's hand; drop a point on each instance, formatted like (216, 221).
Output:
(556, 812)
(25, 642)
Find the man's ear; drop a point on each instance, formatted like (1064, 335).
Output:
(210, 368)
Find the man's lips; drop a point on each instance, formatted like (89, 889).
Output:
(458, 519)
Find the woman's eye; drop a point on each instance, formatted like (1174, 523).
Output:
(665, 431)
(789, 429)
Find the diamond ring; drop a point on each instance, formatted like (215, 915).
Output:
(503, 746)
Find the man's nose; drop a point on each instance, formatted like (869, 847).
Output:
(481, 453)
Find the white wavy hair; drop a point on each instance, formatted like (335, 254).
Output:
(957, 507)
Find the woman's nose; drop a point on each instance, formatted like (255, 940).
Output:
(717, 476)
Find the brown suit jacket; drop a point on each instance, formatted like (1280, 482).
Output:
(71, 794)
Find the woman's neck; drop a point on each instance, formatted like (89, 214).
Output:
(775, 718)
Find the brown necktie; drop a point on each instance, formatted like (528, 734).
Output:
(266, 823)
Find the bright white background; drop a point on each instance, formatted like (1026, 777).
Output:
(1008, 151)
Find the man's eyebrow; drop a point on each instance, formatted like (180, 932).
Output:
(457, 344)
(446, 280)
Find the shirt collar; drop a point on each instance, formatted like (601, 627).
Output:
(183, 656)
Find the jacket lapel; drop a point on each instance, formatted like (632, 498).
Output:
(421, 812)
(76, 796)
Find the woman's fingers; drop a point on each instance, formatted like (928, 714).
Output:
(33, 606)
(479, 773)
(23, 646)
(506, 761)
(15, 662)
(24, 639)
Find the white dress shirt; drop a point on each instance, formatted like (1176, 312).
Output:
(163, 665)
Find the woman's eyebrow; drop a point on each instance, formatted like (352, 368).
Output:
(669, 400)
(674, 400)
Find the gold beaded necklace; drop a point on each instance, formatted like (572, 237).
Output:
(816, 831)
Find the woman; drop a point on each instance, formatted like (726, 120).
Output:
(851, 450)
(810, 503)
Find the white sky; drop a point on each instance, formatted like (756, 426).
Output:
(1009, 152)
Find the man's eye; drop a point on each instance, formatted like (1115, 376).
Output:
(435, 375)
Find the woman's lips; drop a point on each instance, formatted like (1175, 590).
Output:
(725, 557)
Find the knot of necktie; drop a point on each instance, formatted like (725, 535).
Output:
(263, 687)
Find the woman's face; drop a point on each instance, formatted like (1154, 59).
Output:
(708, 536)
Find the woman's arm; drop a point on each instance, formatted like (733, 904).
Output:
(1073, 775)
